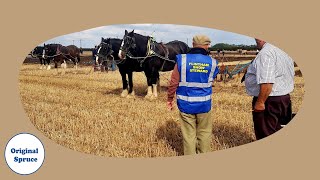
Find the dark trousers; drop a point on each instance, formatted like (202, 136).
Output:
(278, 111)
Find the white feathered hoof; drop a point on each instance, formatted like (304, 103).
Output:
(64, 65)
(149, 92)
(152, 98)
(49, 67)
(155, 92)
(148, 96)
(131, 95)
(124, 93)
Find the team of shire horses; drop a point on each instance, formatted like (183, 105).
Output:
(133, 53)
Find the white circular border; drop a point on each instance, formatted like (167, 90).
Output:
(44, 153)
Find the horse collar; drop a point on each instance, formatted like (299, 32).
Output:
(58, 50)
(166, 51)
(150, 50)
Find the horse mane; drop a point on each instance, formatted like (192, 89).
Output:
(54, 44)
(108, 40)
(136, 34)
(114, 40)
(175, 41)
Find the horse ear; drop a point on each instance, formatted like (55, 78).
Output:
(125, 32)
(132, 31)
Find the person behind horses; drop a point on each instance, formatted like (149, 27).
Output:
(191, 80)
(94, 54)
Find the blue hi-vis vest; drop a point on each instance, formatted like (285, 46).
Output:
(195, 87)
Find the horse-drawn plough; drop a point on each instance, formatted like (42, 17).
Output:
(227, 70)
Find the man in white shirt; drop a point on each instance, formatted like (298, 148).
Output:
(270, 79)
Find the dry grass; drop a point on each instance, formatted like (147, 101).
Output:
(83, 111)
(87, 53)
(234, 63)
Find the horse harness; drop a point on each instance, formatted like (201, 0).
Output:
(58, 53)
(151, 53)
(35, 55)
(121, 61)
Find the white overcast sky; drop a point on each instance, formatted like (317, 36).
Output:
(161, 32)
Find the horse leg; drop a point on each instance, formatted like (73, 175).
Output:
(149, 90)
(106, 67)
(64, 67)
(131, 91)
(45, 63)
(48, 67)
(154, 78)
(41, 63)
(64, 64)
(158, 82)
(48, 64)
(56, 60)
(75, 63)
(124, 84)
(55, 64)
(78, 61)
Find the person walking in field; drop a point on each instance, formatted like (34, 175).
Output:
(270, 79)
(95, 64)
(94, 53)
(191, 80)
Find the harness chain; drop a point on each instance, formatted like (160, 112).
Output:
(120, 61)
(149, 53)
(60, 53)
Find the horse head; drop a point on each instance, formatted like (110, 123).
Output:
(104, 51)
(49, 50)
(128, 43)
(105, 48)
(36, 52)
(44, 51)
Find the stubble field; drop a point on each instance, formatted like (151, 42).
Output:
(82, 110)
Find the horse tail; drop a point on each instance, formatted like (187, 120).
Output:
(81, 51)
(78, 57)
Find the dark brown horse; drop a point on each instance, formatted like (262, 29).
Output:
(153, 56)
(37, 53)
(61, 53)
(108, 51)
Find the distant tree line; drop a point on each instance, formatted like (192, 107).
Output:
(86, 49)
(232, 47)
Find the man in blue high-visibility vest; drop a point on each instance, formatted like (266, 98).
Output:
(192, 80)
